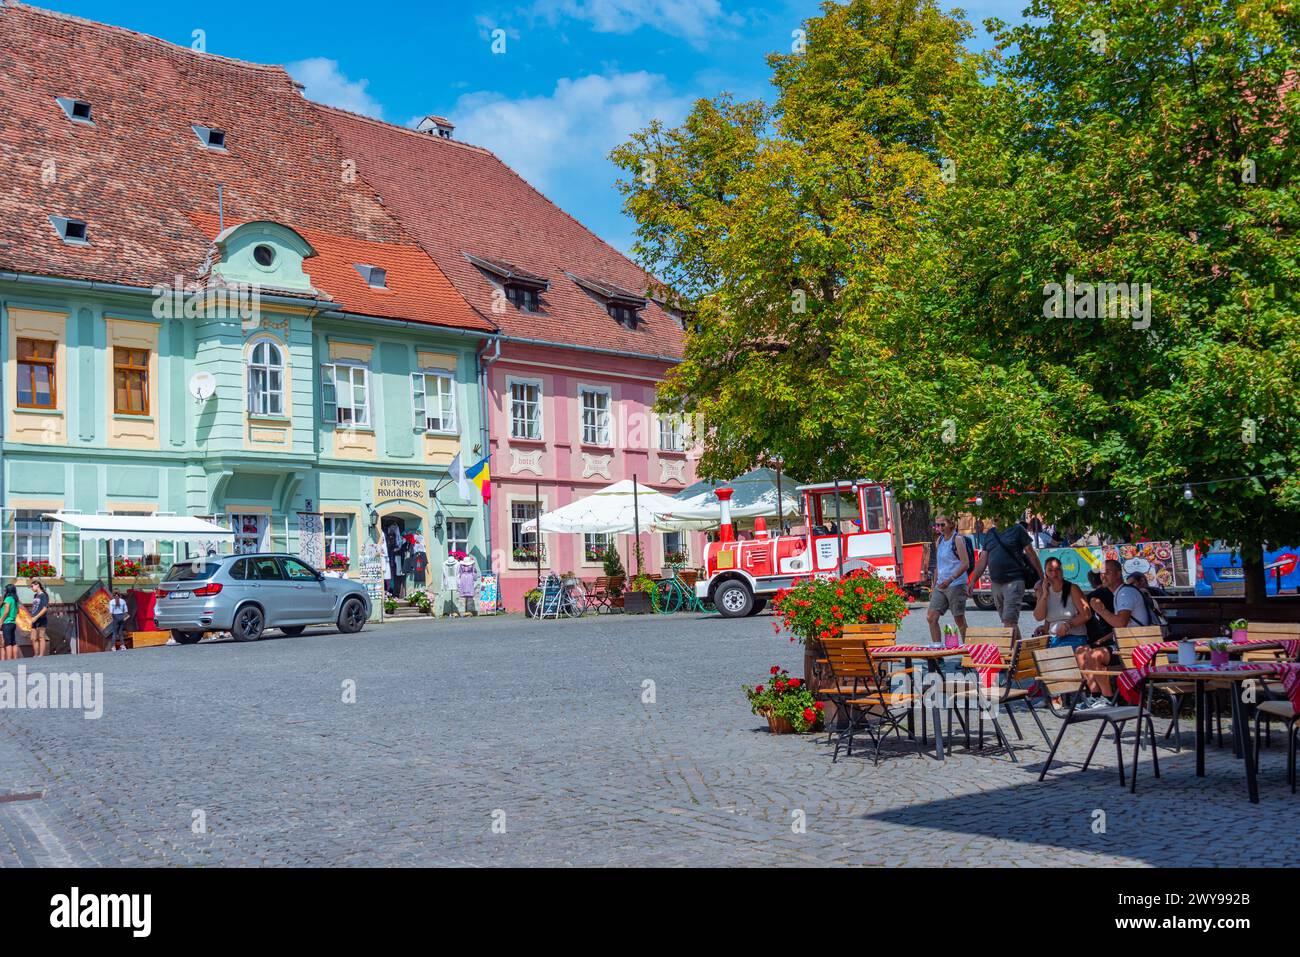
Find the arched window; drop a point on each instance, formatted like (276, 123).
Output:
(266, 379)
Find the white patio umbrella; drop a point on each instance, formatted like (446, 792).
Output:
(616, 510)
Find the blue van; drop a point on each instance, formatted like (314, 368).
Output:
(1220, 572)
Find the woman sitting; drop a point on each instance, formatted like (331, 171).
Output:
(1065, 615)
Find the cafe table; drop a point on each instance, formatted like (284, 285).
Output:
(934, 656)
(1234, 673)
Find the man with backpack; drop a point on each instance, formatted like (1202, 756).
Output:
(1013, 566)
(953, 557)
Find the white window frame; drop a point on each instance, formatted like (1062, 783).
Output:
(349, 370)
(594, 431)
(264, 399)
(675, 431)
(50, 537)
(443, 421)
(332, 534)
(536, 418)
(456, 543)
(604, 539)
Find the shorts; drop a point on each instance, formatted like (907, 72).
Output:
(1007, 599)
(10, 633)
(952, 598)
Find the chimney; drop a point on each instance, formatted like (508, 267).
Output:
(726, 531)
(436, 126)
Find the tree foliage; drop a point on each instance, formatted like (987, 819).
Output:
(918, 201)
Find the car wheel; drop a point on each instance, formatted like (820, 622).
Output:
(352, 616)
(733, 599)
(983, 602)
(187, 637)
(759, 605)
(293, 631)
(249, 623)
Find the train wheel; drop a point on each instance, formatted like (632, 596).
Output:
(733, 599)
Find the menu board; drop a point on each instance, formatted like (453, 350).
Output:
(1153, 559)
(487, 595)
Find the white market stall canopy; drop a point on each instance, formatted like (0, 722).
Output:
(176, 528)
(611, 511)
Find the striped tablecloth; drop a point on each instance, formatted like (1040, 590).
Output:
(1130, 682)
(1143, 654)
(981, 654)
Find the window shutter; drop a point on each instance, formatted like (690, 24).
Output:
(370, 399)
(419, 399)
(328, 399)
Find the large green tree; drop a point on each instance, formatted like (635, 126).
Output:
(1138, 142)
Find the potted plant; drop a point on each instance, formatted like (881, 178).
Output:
(422, 601)
(390, 605)
(675, 559)
(614, 571)
(786, 702)
(1240, 629)
(38, 568)
(817, 608)
(642, 595)
(126, 568)
(336, 564)
(951, 637)
(1219, 651)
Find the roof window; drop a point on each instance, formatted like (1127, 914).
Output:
(375, 277)
(78, 110)
(210, 137)
(71, 231)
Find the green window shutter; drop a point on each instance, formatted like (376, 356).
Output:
(328, 399)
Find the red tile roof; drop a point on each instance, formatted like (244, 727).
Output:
(458, 199)
(146, 186)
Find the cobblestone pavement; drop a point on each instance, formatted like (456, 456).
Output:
(540, 729)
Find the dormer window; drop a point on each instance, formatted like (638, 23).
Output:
(210, 137)
(524, 297)
(77, 110)
(375, 277)
(71, 231)
(623, 307)
(623, 314)
(522, 288)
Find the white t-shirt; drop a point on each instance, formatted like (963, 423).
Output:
(1129, 598)
(117, 606)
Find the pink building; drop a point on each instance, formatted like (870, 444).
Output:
(569, 381)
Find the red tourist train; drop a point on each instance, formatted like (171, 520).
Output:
(846, 526)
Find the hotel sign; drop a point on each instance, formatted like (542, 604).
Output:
(412, 489)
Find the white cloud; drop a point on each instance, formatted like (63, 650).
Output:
(693, 20)
(325, 83)
(566, 136)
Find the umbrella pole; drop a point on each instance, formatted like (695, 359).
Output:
(780, 504)
(636, 525)
(108, 552)
(537, 536)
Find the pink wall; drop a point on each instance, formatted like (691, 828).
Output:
(562, 458)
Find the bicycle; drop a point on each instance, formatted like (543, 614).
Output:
(558, 599)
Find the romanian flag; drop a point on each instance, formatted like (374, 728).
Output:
(482, 477)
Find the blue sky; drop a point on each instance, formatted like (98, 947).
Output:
(575, 78)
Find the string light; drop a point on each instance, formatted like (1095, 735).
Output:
(1187, 487)
(1080, 501)
(1187, 492)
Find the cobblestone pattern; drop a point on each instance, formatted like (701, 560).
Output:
(540, 729)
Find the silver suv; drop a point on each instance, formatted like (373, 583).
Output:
(246, 594)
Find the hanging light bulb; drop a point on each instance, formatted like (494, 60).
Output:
(979, 499)
(1187, 492)
(1080, 501)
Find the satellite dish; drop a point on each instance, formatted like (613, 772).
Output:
(203, 385)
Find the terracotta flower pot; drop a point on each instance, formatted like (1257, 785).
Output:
(779, 724)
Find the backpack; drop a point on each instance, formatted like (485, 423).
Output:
(970, 556)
